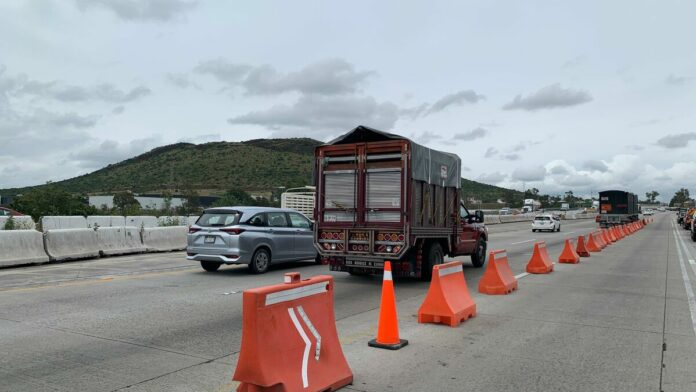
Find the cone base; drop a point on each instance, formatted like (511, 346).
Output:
(396, 346)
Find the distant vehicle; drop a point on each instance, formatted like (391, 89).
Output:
(546, 222)
(531, 205)
(617, 207)
(661, 209)
(680, 215)
(382, 197)
(693, 230)
(299, 199)
(688, 218)
(4, 211)
(648, 212)
(505, 211)
(257, 236)
(565, 206)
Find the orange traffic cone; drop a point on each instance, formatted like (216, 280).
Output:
(592, 245)
(581, 248)
(388, 328)
(569, 256)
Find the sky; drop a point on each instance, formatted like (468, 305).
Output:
(556, 95)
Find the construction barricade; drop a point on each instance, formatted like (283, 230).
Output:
(289, 338)
(164, 239)
(388, 326)
(581, 249)
(448, 300)
(498, 278)
(569, 255)
(540, 262)
(71, 244)
(19, 247)
(119, 240)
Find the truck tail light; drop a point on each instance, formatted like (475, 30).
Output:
(233, 231)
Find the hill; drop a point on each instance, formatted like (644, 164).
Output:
(213, 168)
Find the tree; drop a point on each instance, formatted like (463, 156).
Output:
(192, 202)
(651, 196)
(51, 200)
(531, 193)
(569, 198)
(679, 198)
(126, 204)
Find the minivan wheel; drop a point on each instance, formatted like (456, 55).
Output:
(210, 266)
(479, 258)
(260, 262)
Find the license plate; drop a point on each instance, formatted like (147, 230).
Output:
(210, 239)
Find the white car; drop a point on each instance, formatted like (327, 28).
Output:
(648, 212)
(546, 222)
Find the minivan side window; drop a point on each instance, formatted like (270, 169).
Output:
(258, 220)
(277, 219)
(298, 220)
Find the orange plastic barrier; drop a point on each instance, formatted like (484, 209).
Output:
(592, 245)
(448, 300)
(607, 237)
(581, 249)
(599, 239)
(498, 278)
(540, 263)
(289, 338)
(568, 255)
(388, 327)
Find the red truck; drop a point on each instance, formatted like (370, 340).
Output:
(382, 197)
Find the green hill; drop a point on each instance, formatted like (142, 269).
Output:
(213, 168)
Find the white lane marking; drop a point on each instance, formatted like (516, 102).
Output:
(685, 277)
(313, 330)
(692, 262)
(569, 232)
(522, 275)
(522, 242)
(308, 344)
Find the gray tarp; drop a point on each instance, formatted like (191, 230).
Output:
(431, 166)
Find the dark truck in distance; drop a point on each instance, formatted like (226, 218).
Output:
(382, 197)
(617, 207)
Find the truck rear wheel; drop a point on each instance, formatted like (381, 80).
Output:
(433, 256)
(479, 257)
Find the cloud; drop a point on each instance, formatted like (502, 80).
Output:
(677, 80)
(490, 152)
(677, 140)
(549, 97)
(458, 98)
(475, 133)
(558, 170)
(529, 174)
(492, 178)
(98, 155)
(200, 139)
(181, 80)
(327, 77)
(574, 62)
(510, 157)
(426, 137)
(414, 112)
(595, 165)
(323, 115)
(141, 10)
(118, 110)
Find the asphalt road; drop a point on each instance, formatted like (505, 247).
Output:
(159, 323)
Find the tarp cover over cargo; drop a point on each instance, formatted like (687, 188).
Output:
(431, 166)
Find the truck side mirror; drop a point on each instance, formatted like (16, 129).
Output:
(479, 216)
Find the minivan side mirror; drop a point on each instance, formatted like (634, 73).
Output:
(479, 216)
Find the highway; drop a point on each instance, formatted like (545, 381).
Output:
(621, 320)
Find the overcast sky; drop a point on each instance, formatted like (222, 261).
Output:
(558, 95)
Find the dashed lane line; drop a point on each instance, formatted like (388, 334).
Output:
(523, 242)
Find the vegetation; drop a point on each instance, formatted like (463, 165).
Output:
(679, 198)
(51, 200)
(473, 190)
(126, 204)
(237, 197)
(10, 223)
(652, 196)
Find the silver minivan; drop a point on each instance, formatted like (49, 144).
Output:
(257, 236)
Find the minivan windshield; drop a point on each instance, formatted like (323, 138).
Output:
(219, 218)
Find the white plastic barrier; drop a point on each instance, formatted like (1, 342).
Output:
(106, 221)
(119, 240)
(21, 247)
(491, 219)
(24, 222)
(71, 244)
(63, 222)
(164, 239)
(141, 221)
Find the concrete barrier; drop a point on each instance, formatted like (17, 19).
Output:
(19, 247)
(24, 222)
(106, 221)
(164, 239)
(141, 221)
(119, 241)
(491, 219)
(71, 244)
(63, 222)
(507, 218)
